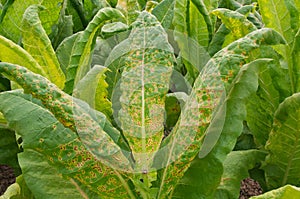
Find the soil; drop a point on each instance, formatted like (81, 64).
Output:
(249, 187)
(7, 177)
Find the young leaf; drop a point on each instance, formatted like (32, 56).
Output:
(79, 63)
(282, 164)
(37, 43)
(144, 84)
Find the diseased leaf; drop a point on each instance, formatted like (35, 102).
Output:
(188, 135)
(34, 165)
(144, 84)
(37, 43)
(72, 113)
(282, 164)
(62, 148)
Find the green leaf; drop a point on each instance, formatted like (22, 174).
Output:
(62, 148)
(288, 191)
(9, 149)
(41, 51)
(192, 35)
(164, 13)
(189, 133)
(101, 52)
(63, 28)
(25, 193)
(50, 15)
(144, 84)
(296, 60)
(236, 166)
(172, 107)
(261, 108)
(108, 30)
(65, 50)
(93, 90)
(81, 56)
(282, 164)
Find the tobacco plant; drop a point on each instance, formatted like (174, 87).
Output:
(149, 99)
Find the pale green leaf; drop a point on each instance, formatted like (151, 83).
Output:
(192, 35)
(237, 23)
(93, 90)
(37, 43)
(10, 26)
(65, 50)
(13, 53)
(286, 192)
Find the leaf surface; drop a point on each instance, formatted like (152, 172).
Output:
(282, 164)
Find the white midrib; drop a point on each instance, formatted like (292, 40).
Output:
(143, 106)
